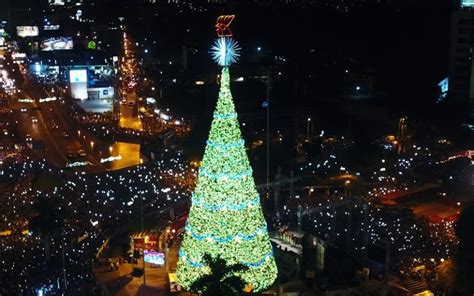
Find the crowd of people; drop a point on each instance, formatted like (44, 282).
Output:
(360, 210)
(57, 256)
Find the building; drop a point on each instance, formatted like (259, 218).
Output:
(461, 71)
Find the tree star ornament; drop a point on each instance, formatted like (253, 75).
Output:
(225, 51)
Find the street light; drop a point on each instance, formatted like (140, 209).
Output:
(308, 122)
(269, 86)
(346, 185)
(142, 230)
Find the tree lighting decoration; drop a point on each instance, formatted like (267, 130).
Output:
(225, 51)
(226, 218)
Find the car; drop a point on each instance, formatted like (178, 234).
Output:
(34, 119)
(131, 103)
(5, 132)
(81, 153)
(66, 134)
(23, 110)
(54, 126)
(29, 138)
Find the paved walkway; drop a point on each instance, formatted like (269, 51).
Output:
(121, 282)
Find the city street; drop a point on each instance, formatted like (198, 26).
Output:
(129, 113)
(63, 140)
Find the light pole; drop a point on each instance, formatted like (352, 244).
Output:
(308, 122)
(143, 259)
(64, 269)
(268, 132)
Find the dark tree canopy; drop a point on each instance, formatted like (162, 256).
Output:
(222, 279)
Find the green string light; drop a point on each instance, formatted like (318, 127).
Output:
(225, 218)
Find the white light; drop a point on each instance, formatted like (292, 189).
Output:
(110, 159)
(225, 51)
(48, 99)
(164, 116)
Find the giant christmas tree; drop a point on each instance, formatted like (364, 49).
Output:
(226, 218)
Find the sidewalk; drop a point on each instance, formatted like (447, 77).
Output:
(121, 282)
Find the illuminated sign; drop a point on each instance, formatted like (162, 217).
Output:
(78, 82)
(48, 99)
(150, 101)
(51, 27)
(154, 257)
(27, 100)
(2, 38)
(443, 89)
(18, 55)
(77, 76)
(467, 3)
(27, 31)
(110, 159)
(57, 43)
(92, 45)
(78, 164)
(174, 286)
(56, 2)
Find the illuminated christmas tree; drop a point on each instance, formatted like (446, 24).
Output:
(226, 218)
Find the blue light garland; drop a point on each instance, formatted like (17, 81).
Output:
(249, 264)
(225, 146)
(198, 201)
(224, 116)
(225, 239)
(204, 173)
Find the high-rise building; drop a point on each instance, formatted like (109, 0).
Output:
(461, 57)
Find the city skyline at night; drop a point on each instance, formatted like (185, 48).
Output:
(310, 148)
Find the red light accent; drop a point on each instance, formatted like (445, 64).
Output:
(222, 25)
